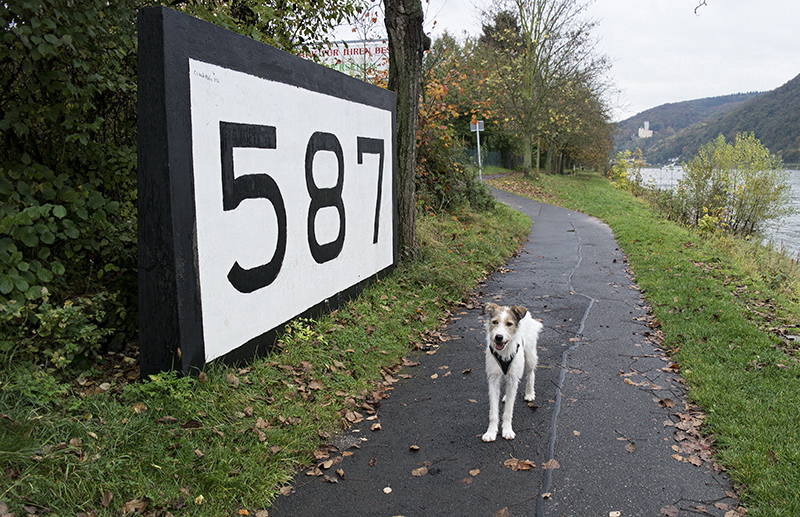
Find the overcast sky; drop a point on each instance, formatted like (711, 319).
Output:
(663, 52)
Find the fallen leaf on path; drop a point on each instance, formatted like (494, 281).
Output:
(353, 416)
(551, 464)
(503, 512)
(631, 447)
(670, 511)
(474, 472)
(739, 512)
(387, 490)
(517, 465)
(419, 472)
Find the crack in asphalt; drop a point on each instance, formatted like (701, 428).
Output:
(547, 483)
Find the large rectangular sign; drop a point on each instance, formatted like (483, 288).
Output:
(266, 190)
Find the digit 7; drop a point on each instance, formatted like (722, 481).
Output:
(373, 146)
(251, 186)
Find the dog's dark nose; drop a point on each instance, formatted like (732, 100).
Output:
(498, 338)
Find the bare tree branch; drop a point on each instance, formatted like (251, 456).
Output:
(699, 5)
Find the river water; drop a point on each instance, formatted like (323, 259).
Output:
(784, 235)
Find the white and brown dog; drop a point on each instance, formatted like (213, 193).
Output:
(511, 335)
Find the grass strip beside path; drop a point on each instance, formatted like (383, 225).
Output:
(722, 319)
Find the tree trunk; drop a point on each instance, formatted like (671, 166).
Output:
(527, 155)
(407, 43)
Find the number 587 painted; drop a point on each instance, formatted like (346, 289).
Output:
(294, 198)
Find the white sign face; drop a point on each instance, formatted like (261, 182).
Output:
(293, 198)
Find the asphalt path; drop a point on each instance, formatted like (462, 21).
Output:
(610, 433)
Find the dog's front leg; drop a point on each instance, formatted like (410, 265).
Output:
(494, 409)
(512, 383)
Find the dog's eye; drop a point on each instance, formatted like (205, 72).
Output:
(494, 322)
(509, 324)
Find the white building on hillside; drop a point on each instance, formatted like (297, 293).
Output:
(645, 132)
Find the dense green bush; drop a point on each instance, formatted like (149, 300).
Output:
(67, 175)
(443, 183)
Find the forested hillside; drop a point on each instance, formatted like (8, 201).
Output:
(668, 119)
(771, 116)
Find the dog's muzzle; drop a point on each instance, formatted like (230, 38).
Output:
(498, 342)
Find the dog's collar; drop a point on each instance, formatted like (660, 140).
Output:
(505, 364)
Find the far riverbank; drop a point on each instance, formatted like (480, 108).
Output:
(785, 236)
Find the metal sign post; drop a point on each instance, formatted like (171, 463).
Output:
(477, 127)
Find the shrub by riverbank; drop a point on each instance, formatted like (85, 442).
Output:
(728, 311)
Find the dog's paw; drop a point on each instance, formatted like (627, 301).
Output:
(530, 398)
(489, 436)
(509, 434)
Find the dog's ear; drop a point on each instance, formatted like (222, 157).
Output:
(519, 312)
(490, 308)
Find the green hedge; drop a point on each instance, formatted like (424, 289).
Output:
(67, 176)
